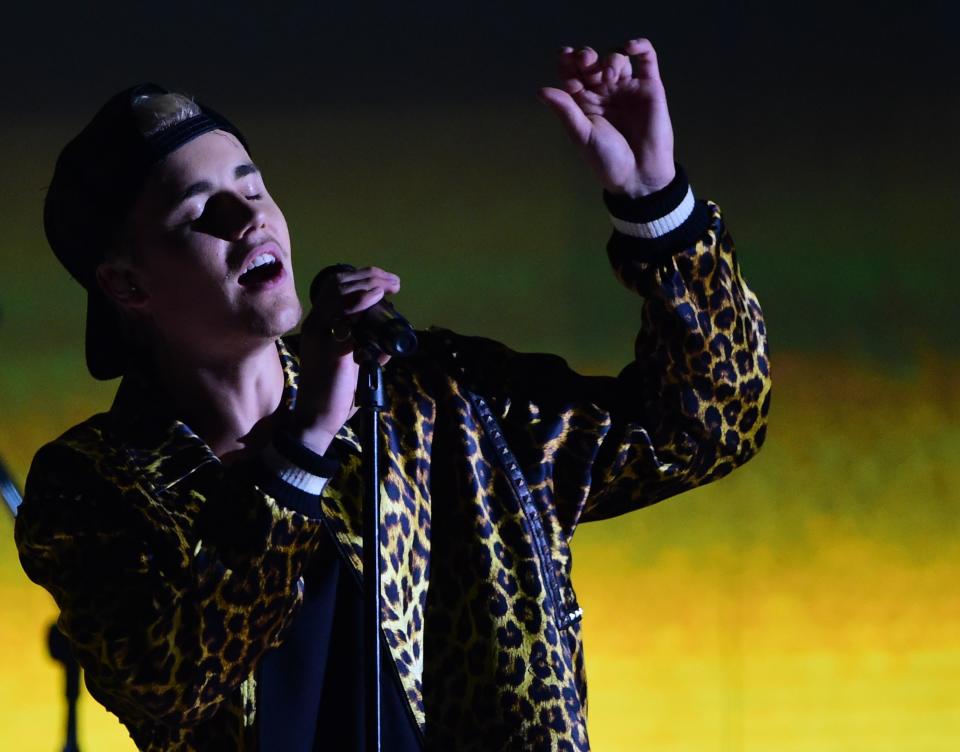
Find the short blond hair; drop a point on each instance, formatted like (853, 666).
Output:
(157, 112)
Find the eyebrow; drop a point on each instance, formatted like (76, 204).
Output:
(205, 186)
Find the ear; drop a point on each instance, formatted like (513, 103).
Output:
(120, 284)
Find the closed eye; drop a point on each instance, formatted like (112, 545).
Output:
(195, 213)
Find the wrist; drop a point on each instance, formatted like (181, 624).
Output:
(646, 185)
(316, 433)
(653, 214)
(296, 470)
(655, 226)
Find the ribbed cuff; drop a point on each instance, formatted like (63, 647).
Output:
(295, 475)
(652, 207)
(324, 465)
(658, 224)
(292, 474)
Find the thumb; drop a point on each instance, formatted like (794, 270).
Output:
(569, 112)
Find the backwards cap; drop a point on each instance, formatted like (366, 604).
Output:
(98, 177)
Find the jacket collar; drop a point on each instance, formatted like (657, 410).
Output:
(163, 448)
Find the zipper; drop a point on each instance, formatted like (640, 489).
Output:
(565, 615)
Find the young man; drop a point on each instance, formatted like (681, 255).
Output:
(202, 538)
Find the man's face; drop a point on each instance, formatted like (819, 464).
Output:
(210, 252)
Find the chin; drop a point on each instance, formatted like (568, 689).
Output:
(280, 318)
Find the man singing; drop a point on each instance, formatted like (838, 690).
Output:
(203, 538)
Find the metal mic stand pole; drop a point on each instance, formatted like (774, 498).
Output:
(372, 399)
(62, 652)
(58, 645)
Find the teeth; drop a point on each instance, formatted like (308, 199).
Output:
(263, 258)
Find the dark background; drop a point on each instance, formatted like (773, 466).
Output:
(302, 54)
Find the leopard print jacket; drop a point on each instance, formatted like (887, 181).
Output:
(174, 573)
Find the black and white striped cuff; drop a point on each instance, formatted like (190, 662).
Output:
(657, 225)
(291, 474)
(660, 226)
(297, 467)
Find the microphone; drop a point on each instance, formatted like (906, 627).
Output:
(380, 327)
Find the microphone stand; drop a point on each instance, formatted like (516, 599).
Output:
(62, 652)
(57, 643)
(380, 330)
(372, 399)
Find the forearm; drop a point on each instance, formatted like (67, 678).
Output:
(700, 383)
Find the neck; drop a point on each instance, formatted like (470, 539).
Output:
(227, 403)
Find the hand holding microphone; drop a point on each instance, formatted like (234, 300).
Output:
(349, 315)
(380, 328)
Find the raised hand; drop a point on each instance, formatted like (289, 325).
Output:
(615, 110)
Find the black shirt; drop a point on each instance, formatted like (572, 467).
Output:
(311, 689)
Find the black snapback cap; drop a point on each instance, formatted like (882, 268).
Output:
(98, 177)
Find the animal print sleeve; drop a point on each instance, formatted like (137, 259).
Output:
(693, 404)
(169, 608)
(689, 408)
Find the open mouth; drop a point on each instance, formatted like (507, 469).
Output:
(261, 270)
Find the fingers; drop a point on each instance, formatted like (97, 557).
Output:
(368, 275)
(616, 68)
(348, 293)
(644, 58)
(391, 286)
(639, 46)
(321, 331)
(361, 300)
(585, 81)
(583, 68)
(366, 278)
(572, 61)
(567, 65)
(364, 288)
(578, 68)
(569, 111)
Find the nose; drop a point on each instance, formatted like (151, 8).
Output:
(230, 216)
